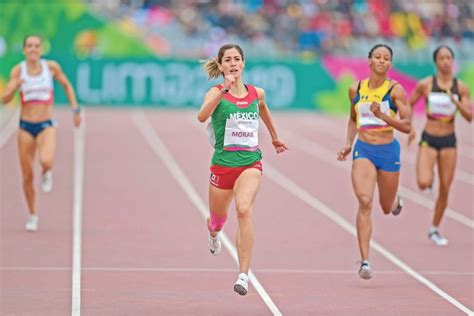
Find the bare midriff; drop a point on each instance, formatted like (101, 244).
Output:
(36, 112)
(376, 137)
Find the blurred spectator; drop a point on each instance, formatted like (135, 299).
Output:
(285, 28)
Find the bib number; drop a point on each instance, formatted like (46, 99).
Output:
(440, 104)
(241, 135)
(367, 118)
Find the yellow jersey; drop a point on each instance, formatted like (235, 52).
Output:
(365, 119)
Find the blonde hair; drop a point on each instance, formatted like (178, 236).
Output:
(211, 65)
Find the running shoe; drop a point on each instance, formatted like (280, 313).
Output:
(241, 286)
(47, 181)
(436, 237)
(396, 211)
(215, 244)
(365, 272)
(32, 223)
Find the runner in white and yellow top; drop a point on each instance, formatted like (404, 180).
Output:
(445, 95)
(378, 106)
(236, 168)
(33, 77)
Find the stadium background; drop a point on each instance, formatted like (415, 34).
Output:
(123, 231)
(304, 53)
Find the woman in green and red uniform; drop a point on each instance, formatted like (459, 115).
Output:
(236, 168)
(445, 95)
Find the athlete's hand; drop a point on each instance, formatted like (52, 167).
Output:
(279, 145)
(17, 82)
(342, 154)
(77, 118)
(411, 137)
(229, 80)
(451, 96)
(375, 108)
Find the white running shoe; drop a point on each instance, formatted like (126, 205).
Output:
(439, 240)
(241, 286)
(215, 244)
(47, 181)
(365, 272)
(32, 223)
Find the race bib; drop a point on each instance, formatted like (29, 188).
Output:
(241, 134)
(367, 118)
(440, 104)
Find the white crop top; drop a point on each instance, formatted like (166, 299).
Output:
(36, 89)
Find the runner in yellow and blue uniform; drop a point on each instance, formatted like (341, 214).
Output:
(445, 95)
(236, 167)
(375, 104)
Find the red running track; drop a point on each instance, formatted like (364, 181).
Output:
(144, 242)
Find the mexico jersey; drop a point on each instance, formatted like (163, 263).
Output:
(233, 130)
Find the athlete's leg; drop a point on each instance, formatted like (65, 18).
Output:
(245, 191)
(446, 168)
(46, 141)
(387, 183)
(364, 176)
(425, 166)
(26, 151)
(219, 202)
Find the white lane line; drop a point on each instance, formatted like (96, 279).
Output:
(211, 270)
(290, 186)
(9, 127)
(79, 149)
(318, 151)
(161, 151)
(464, 176)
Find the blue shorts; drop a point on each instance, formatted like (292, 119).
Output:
(35, 128)
(385, 157)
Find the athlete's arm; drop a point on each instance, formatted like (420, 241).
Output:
(415, 97)
(212, 99)
(464, 103)
(351, 126)
(13, 84)
(399, 97)
(418, 93)
(264, 113)
(60, 76)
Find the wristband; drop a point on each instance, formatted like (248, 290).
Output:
(77, 110)
(225, 90)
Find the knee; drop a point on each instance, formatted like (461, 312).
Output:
(443, 192)
(424, 184)
(215, 222)
(28, 178)
(243, 212)
(365, 203)
(387, 209)
(46, 163)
